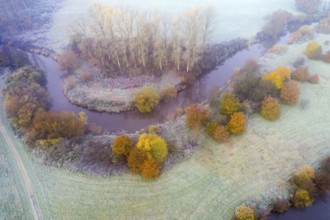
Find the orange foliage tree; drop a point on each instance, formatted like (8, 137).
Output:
(290, 93)
(122, 145)
(150, 169)
(229, 104)
(270, 108)
(278, 76)
(221, 134)
(236, 124)
(196, 116)
(136, 159)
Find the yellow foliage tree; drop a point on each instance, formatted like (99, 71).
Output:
(304, 175)
(313, 50)
(154, 145)
(244, 212)
(122, 145)
(229, 104)
(302, 198)
(236, 124)
(270, 109)
(146, 99)
(135, 160)
(278, 76)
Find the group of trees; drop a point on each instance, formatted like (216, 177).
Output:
(146, 157)
(14, 15)
(27, 103)
(119, 39)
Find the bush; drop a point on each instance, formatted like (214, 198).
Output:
(146, 99)
(236, 124)
(122, 145)
(314, 79)
(150, 169)
(313, 50)
(229, 104)
(85, 76)
(135, 160)
(154, 145)
(67, 61)
(211, 127)
(324, 25)
(278, 49)
(301, 199)
(270, 109)
(281, 205)
(196, 116)
(308, 6)
(278, 76)
(300, 74)
(322, 181)
(326, 57)
(244, 212)
(290, 93)
(168, 93)
(303, 176)
(221, 134)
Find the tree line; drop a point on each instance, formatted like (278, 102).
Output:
(118, 39)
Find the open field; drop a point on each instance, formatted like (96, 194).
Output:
(211, 183)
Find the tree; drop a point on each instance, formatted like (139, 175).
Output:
(150, 169)
(244, 212)
(308, 6)
(313, 50)
(278, 76)
(196, 116)
(290, 92)
(276, 23)
(229, 104)
(122, 145)
(303, 175)
(236, 124)
(67, 61)
(154, 145)
(302, 199)
(221, 134)
(146, 99)
(270, 109)
(136, 159)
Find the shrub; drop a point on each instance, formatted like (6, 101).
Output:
(244, 212)
(278, 49)
(304, 175)
(324, 25)
(135, 160)
(322, 181)
(168, 93)
(281, 205)
(154, 145)
(153, 129)
(236, 124)
(270, 109)
(308, 6)
(290, 93)
(211, 127)
(70, 82)
(300, 74)
(196, 116)
(278, 76)
(313, 50)
(150, 169)
(326, 57)
(301, 199)
(85, 76)
(314, 79)
(229, 104)
(304, 33)
(67, 61)
(122, 145)
(146, 99)
(221, 134)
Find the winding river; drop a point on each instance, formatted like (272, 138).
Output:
(134, 120)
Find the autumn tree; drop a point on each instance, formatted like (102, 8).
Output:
(300, 74)
(229, 104)
(302, 198)
(290, 92)
(196, 116)
(146, 99)
(122, 145)
(136, 159)
(278, 76)
(221, 134)
(237, 123)
(154, 145)
(150, 169)
(276, 22)
(313, 50)
(244, 212)
(270, 109)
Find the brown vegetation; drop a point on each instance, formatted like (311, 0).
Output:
(276, 22)
(290, 93)
(221, 134)
(304, 33)
(300, 74)
(196, 116)
(122, 145)
(270, 109)
(67, 61)
(168, 93)
(314, 79)
(308, 6)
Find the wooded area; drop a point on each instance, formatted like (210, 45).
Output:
(118, 39)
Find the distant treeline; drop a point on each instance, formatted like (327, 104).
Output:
(119, 39)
